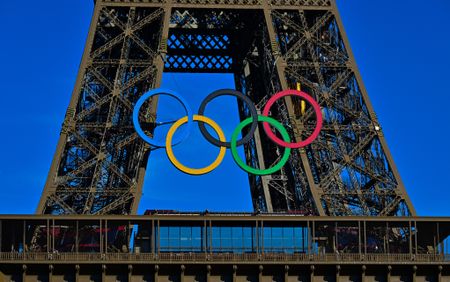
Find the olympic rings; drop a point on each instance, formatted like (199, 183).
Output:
(316, 108)
(150, 94)
(195, 171)
(221, 141)
(252, 170)
(239, 95)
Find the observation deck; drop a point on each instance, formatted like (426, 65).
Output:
(223, 245)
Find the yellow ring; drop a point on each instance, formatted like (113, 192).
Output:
(185, 169)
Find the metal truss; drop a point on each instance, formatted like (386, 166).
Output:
(100, 162)
(269, 45)
(194, 46)
(350, 164)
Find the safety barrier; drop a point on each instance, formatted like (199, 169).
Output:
(224, 257)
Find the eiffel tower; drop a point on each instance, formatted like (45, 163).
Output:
(269, 46)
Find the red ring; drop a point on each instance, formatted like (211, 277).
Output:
(311, 101)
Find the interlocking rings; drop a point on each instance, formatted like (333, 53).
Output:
(252, 170)
(316, 108)
(186, 169)
(239, 95)
(234, 143)
(141, 102)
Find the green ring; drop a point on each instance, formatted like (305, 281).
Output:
(252, 170)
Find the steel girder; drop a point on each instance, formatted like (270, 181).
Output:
(349, 164)
(100, 162)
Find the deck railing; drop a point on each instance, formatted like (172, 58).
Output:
(224, 257)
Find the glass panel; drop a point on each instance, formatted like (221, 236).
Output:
(215, 239)
(180, 239)
(164, 238)
(289, 239)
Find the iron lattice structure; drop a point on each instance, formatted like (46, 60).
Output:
(269, 45)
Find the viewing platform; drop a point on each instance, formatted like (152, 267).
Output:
(169, 236)
(166, 243)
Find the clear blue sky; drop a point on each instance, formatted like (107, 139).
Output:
(401, 47)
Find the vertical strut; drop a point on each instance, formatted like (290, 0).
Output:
(290, 109)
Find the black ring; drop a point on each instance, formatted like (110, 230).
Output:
(239, 95)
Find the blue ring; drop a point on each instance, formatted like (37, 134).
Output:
(141, 101)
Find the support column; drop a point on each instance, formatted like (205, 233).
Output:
(24, 272)
(415, 238)
(182, 269)
(338, 272)
(103, 272)
(286, 273)
(77, 273)
(365, 239)
(389, 269)
(234, 272)
(155, 277)
(359, 238)
(1, 223)
(50, 186)
(440, 273)
(363, 273)
(208, 273)
(101, 236)
(130, 272)
(280, 67)
(312, 273)
(414, 273)
(400, 187)
(410, 239)
(152, 238)
(260, 273)
(50, 273)
(262, 166)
